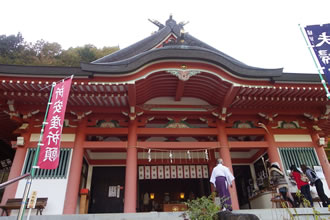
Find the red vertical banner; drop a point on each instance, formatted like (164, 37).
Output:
(51, 139)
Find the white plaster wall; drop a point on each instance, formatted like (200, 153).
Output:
(292, 138)
(64, 137)
(54, 189)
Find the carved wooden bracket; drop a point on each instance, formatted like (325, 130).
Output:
(185, 74)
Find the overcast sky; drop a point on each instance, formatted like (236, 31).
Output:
(259, 33)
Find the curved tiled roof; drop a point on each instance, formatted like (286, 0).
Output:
(143, 52)
(43, 70)
(129, 59)
(180, 52)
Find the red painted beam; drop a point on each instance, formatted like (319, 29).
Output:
(131, 95)
(105, 144)
(152, 162)
(290, 131)
(108, 131)
(248, 144)
(107, 150)
(107, 162)
(177, 131)
(179, 90)
(178, 145)
(176, 161)
(230, 96)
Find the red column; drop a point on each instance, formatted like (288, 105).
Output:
(212, 164)
(72, 190)
(16, 168)
(322, 157)
(212, 161)
(131, 169)
(272, 149)
(225, 155)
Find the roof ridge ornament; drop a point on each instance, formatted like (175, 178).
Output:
(183, 23)
(157, 23)
(171, 22)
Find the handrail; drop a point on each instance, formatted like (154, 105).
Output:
(2, 185)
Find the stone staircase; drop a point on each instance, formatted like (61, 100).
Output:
(263, 214)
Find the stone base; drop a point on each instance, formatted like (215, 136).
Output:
(226, 215)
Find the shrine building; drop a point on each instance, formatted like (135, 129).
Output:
(144, 127)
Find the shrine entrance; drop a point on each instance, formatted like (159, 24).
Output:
(159, 195)
(107, 190)
(164, 187)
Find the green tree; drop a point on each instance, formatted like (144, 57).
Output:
(69, 57)
(11, 47)
(87, 53)
(106, 51)
(14, 50)
(11, 44)
(47, 53)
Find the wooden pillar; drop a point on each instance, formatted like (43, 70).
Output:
(225, 155)
(16, 168)
(272, 149)
(212, 161)
(72, 190)
(131, 169)
(84, 198)
(212, 164)
(322, 157)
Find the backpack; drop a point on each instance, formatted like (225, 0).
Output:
(313, 174)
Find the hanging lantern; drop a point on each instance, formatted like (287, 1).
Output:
(152, 195)
(182, 195)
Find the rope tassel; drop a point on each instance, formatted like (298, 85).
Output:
(188, 153)
(206, 155)
(171, 156)
(149, 155)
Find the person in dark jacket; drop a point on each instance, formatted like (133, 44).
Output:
(315, 180)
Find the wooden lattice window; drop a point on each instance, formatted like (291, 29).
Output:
(298, 156)
(59, 173)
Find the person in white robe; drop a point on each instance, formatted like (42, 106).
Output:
(222, 178)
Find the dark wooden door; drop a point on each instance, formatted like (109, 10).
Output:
(242, 175)
(103, 179)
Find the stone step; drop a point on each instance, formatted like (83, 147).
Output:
(263, 214)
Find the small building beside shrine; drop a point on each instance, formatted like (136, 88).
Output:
(145, 125)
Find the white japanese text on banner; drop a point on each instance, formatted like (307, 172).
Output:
(50, 147)
(319, 38)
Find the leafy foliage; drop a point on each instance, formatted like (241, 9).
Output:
(14, 50)
(306, 203)
(202, 208)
